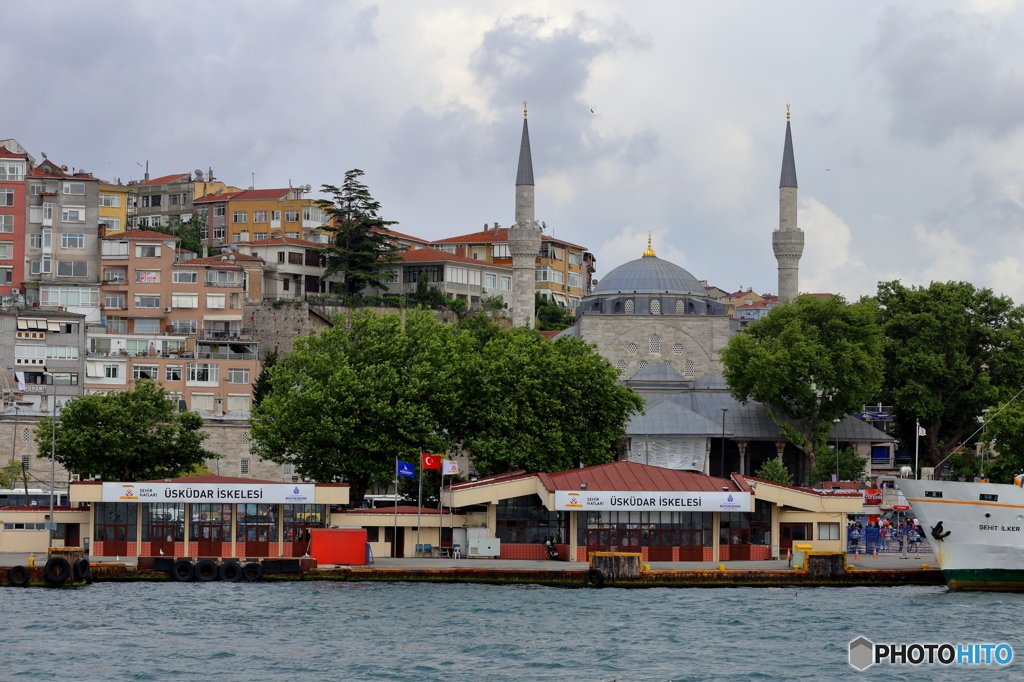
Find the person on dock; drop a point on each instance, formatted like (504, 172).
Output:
(855, 537)
(871, 538)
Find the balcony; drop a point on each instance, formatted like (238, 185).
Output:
(208, 355)
(224, 334)
(228, 285)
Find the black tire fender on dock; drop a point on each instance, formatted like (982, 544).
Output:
(81, 568)
(18, 576)
(182, 571)
(252, 572)
(206, 570)
(595, 577)
(230, 572)
(57, 570)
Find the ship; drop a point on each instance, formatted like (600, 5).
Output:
(976, 530)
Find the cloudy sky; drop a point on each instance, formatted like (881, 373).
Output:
(908, 119)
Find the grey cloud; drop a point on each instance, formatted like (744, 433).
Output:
(941, 74)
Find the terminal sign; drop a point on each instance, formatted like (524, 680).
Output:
(689, 500)
(257, 493)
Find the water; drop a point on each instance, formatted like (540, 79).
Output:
(410, 631)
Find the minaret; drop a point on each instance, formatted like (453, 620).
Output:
(524, 238)
(788, 240)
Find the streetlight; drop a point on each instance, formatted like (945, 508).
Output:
(837, 421)
(52, 524)
(724, 410)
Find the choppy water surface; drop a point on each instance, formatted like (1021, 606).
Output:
(332, 631)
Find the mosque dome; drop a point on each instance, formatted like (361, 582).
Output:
(649, 275)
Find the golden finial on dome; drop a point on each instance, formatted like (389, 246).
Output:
(524, 108)
(787, 111)
(649, 251)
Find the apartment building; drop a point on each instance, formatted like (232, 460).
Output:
(15, 163)
(61, 240)
(471, 280)
(155, 202)
(259, 214)
(562, 267)
(34, 342)
(408, 242)
(113, 206)
(179, 323)
(292, 267)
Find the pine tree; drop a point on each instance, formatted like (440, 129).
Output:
(775, 471)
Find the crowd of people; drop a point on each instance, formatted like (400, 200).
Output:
(884, 536)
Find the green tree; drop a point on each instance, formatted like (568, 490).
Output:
(190, 231)
(135, 435)
(481, 328)
(358, 249)
(427, 294)
(809, 362)
(12, 474)
(409, 488)
(346, 403)
(775, 471)
(541, 406)
(851, 466)
(551, 317)
(950, 351)
(1006, 430)
(261, 387)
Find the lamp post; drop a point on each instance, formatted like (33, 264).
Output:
(52, 525)
(724, 410)
(837, 421)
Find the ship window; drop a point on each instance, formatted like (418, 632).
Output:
(933, 493)
(988, 498)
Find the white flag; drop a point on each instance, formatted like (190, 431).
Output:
(451, 467)
(921, 431)
(21, 380)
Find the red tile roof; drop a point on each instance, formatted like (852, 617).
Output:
(549, 335)
(433, 255)
(165, 179)
(799, 489)
(399, 235)
(11, 155)
(220, 196)
(140, 234)
(402, 509)
(491, 236)
(287, 240)
(261, 194)
(622, 476)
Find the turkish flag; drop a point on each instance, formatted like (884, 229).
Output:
(431, 461)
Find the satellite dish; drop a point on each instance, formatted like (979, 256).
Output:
(63, 168)
(199, 174)
(307, 188)
(250, 188)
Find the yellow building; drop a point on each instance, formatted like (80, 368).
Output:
(113, 213)
(561, 276)
(258, 214)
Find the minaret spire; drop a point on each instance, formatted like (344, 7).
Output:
(788, 240)
(524, 237)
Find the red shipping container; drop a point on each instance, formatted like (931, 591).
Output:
(338, 546)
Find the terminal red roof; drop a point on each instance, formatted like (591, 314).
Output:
(427, 255)
(402, 509)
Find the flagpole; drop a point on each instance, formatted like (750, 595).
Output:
(419, 503)
(394, 532)
(440, 508)
(917, 448)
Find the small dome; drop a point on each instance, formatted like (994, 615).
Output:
(650, 275)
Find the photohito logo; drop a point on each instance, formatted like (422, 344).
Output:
(865, 653)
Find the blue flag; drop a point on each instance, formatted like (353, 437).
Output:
(405, 469)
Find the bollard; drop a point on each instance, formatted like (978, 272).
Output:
(31, 561)
(925, 566)
(851, 567)
(721, 567)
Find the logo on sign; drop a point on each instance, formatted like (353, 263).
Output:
(296, 491)
(128, 493)
(574, 500)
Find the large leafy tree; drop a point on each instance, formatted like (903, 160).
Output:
(551, 317)
(849, 464)
(358, 249)
(190, 231)
(135, 435)
(346, 403)
(951, 350)
(809, 362)
(1006, 430)
(541, 406)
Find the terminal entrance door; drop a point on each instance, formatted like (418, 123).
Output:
(660, 545)
(691, 545)
(211, 528)
(257, 528)
(793, 532)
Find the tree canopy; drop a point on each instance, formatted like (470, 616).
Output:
(809, 362)
(358, 249)
(542, 405)
(135, 435)
(551, 317)
(950, 351)
(850, 466)
(775, 471)
(191, 232)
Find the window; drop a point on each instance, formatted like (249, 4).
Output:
(72, 241)
(6, 223)
(219, 211)
(65, 378)
(12, 171)
(291, 235)
(114, 301)
(280, 256)
(114, 276)
(239, 217)
(313, 214)
(73, 214)
(655, 307)
(500, 251)
(294, 258)
(136, 347)
(223, 278)
(72, 268)
(218, 232)
(203, 371)
(41, 266)
(186, 276)
(147, 250)
(147, 276)
(110, 200)
(575, 280)
(145, 201)
(631, 349)
(6, 197)
(143, 222)
(173, 373)
(146, 372)
(35, 241)
(62, 352)
(117, 326)
(147, 326)
(506, 283)
(6, 250)
(259, 216)
(238, 376)
(111, 371)
(147, 301)
(575, 258)
(202, 401)
(629, 306)
(155, 221)
(238, 402)
(29, 355)
(47, 213)
(288, 469)
(185, 300)
(275, 215)
(6, 276)
(176, 199)
(155, 199)
(110, 224)
(259, 236)
(243, 466)
(655, 345)
(185, 327)
(87, 297)
(458, 275)
(490, 280)
(74, 188)
(36, 188)
(215, 301)
(677, 348)
(828, 531)
(113, 248)
(291, 216)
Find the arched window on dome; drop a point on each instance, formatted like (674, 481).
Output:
(655, 345)
(629, 306)
(655, 306)
(680, 306)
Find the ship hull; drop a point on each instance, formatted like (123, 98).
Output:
(984, 548)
